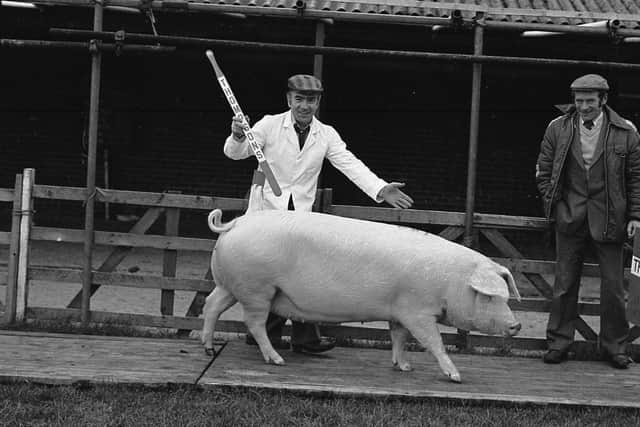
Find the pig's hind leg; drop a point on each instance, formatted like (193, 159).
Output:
(398, 338)
(218, 301)
(425, 330)
(256, 306)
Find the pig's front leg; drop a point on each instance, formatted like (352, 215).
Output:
(425, 330)
(256, 323)
(398, 338)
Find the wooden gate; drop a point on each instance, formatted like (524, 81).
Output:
(529, 273)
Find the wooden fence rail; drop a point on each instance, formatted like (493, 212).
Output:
(529, 272)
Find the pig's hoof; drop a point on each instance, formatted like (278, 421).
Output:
(455, 377)
(210, 351)
(403, 366)
(276, 361)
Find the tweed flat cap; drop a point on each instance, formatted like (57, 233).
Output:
(590, 82)
(304, 83)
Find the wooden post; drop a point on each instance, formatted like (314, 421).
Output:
(317, 202)
(327, 200)
(106, 181)
(14, 248)
(169, 259)
(22, 286)
(94, 108)
(473, 132)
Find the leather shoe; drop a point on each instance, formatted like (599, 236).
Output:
(276, 343)
(554, 356)
(619, 361)
(319, 346)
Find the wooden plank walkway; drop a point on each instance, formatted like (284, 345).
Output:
(67, 359)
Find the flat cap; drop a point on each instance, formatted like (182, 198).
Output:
(590, 82)
(304, 83)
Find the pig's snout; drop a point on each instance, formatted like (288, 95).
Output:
(514, 329)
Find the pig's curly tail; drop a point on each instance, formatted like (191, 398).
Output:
(215, 223)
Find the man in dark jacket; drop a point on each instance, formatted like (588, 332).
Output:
(588, 173)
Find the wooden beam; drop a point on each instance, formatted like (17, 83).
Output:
(415, 216)
(120, 252)
(543, 305)
(195, 308)
(124, 239)
(452, 233)
(128, 280)
(6, 194)
(141, 198)
(500, 242)
(169, 260)
(14, 250)
(546, 267)
(585, 330)
(5, 237)
(26, 218)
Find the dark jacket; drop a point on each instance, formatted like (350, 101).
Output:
(621, 157)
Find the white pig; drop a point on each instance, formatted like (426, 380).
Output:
(324, 268)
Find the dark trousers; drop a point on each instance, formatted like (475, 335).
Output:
(301, 333)
(614, 328)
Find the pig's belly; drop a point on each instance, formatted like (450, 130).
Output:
(330, 310)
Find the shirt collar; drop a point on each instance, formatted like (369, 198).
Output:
(596, 121)
(289, 121)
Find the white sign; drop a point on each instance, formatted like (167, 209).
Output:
(635, 266)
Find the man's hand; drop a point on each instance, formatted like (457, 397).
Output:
(236, 127)
(632, 226)
(392, 194)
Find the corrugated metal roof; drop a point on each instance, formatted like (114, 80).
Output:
(530, 11)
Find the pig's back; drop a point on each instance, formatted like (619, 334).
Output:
(328, 248)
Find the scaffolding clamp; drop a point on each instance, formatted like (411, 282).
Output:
(300, 6)
(119, 37)
(94, 45)
(455, 20)
(479, 20)
(612, 30)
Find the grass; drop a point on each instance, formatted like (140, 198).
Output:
(111, 405)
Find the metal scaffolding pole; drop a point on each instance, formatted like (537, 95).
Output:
(203, 43)
(94, 111)
(85, 46)
(474, 127)
(319, 59)
(318, 63)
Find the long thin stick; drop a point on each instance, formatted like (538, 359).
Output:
(257, 151)
(215, 356)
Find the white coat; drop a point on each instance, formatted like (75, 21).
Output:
(297, 170)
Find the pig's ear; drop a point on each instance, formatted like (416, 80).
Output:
(489, 283)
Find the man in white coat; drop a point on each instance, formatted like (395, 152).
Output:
(295, 144)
